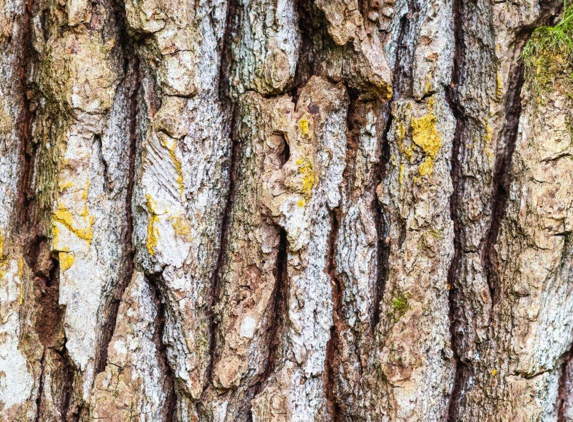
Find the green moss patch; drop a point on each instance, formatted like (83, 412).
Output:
(548, 57)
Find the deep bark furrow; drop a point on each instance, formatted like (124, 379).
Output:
(170, 402)
(508, 138)
(564, 385)
(332, 360)
(26, 146)
(382, 233)
(460, 370)
(224, 96)
(134, 77)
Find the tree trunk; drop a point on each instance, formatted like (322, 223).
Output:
(292, 210)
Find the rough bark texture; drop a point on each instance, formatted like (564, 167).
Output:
(291, 210)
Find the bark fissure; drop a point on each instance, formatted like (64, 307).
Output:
(563, 384)
(508, 137)
(109, 327)
(224, 95)
(169, 386)
(49, 323)
(278, 319)
(383, 244)
(26, 145)
(332, 347)
(401, 76)
(460, 369)
(216, 284)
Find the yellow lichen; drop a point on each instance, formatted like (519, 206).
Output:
(425, 135)
(66, 260)
(64, 185)
(1, 246)
(499, 85)
(171, 145)
(181, 227)
(301, 203)
(401, 175)
(494, 372)
(306, 171)
(305, 125)
(152, 230)
(487, 144)
(65, 217)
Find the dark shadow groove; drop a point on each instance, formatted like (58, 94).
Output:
(502, 178)
(332, 347)
(461, 370)
(278, 305)
(402, 84)
(169, 387)
(225, 97)
(129, 253)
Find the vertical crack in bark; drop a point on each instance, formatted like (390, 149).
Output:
(224, 96)
(277, 324)
(403, 85)
(170, 403)
(383, 246)
(508, 138)
(40, 388)
(564, 384)
(332, 347)
(125, 278)
(26, 144)
(460, 370)
(401, 73)
(216, 284)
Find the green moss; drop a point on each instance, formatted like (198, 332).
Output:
(548, 56)
(400, 306)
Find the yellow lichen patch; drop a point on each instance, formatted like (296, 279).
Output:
(64, 185)
(401, 175)
(307, 173)
(487, 144)
(171, 145)
(181, 227)
(425, 135)
(305, 124)
(301, 203)
(66, 260)
(152, 230)
(65, 217)
(1, 246)
(499, 85)
(494, 372)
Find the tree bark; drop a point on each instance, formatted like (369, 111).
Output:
(293, 210)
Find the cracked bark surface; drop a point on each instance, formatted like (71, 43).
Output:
(254, 210)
